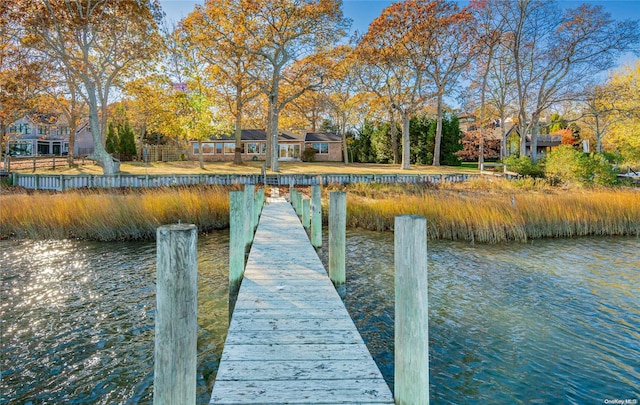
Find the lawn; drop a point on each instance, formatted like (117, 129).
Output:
(192, 167)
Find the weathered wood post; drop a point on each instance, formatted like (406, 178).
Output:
(316, 217)
(291, 190)
(306, 214)
(257, 207)
(298, 203)
(337, 240)
(411, 311)
(236, 245)
(176, 322)
(249, 191)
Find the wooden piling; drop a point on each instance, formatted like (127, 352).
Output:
(249, 195)
(236, 245)
(337, 239)
(306, 214)
(316, 217)
(298, 203)
(176, 321)
(257, 205)
(411, 311)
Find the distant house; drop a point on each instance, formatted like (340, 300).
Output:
(544, 144)
(44, 134)
(254, 146)
(493, 137)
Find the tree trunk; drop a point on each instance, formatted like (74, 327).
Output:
(100, 154)
(200, 155)
(237, 157)
(345, 151)
(522, 128)
(268, 139)
(503, 139)
(3, 135)
(598, 136)
(272, 132)
(534, 138)
(72, 144)
(406, 146)
(438, 143)
(394, 137)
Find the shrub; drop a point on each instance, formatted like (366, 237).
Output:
(524, 166)
(309, 154)
(566, 164)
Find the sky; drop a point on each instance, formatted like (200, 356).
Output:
(362, 12)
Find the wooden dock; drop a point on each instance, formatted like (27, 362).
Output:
(291, 339)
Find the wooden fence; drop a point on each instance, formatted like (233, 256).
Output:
(63, 182)
(32, 163)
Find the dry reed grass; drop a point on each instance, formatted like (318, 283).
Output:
(500, 212)
(479, 211)
(109, 215)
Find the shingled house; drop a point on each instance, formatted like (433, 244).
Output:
(254, 146)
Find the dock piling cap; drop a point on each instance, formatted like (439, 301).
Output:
(176, 227)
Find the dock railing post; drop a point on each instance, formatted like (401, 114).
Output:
(316, 217)
(411, 311)
(176, 323)
(298, 203)
(249, 191)
(306, 214)
(236, 246)
(257, 206)
(337, 240)
(291, 191)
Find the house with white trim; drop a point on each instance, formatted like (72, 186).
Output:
(254, 146)
(46, 134)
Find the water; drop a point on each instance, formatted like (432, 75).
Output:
(550, 321)
(546, 322)
(78, 320)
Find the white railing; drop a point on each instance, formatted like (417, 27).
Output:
(64, 182)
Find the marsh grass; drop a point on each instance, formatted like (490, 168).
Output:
(111, 215)
(501, 211)
(480, 211)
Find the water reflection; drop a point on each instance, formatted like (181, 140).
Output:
(550, 321)
(78, 320)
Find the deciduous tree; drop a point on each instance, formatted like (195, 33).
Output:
(98, 42)
(556, 53)
(217, 33)
(284, 34)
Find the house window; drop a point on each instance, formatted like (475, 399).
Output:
(229, 148)
(20, 148)
(207, 148)
(253, 148)
(263, 148)
(289, 151)
(322, 148)
(43, 130)
(219, 147)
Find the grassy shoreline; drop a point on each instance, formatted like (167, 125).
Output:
(478, 211)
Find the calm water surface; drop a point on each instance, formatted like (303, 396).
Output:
(549, 321)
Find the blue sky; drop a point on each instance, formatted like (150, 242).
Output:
(362, 12)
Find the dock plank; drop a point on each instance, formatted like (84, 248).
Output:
(291, 339)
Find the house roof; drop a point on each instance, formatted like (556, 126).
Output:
(322, 137)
